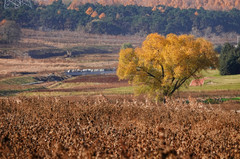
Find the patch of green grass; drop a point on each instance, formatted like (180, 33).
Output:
(91, 49)
(8, 92)
(54, 94)
(219, 100)
(227, 99)
(17, 80)
(213, 101)
(216, 82)
(61, 85)
(213, 87)
(14, 92)
(15, 85)
(119, 90)
(210, 73)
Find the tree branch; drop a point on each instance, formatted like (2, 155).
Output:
(179, 83)
(149, 74)
(162, 70)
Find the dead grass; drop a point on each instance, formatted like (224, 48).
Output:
(69, 39)
(13, 66)
(31, 65)
(115, 127)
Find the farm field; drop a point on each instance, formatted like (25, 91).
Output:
(115, 127)
(17, 73)
(88, 51)
(41, 45)
(224, 90)
(97, 116)
(109, 84)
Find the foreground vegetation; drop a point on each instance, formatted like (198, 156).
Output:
(115, 127)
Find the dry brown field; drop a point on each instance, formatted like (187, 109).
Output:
(14, 66)
(76, 38)
(115, 127)
(37, 40)
(65, 40)
(33, 39)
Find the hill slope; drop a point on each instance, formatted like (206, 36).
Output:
(206, 4)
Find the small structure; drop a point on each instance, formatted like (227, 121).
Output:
(78, 72)
(16, 3)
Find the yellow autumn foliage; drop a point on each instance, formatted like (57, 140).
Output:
(163, 64)
(3, 21)
(74, 5)
(94, 14)
(102, 15)
(89, 11)
(183, 4)
(154, 8)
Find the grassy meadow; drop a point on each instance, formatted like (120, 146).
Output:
(214, 81)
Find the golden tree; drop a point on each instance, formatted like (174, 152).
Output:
(102, 15)
(163, 64)
(94, 14)
(89, 11)
(74, 5)
(154, 8)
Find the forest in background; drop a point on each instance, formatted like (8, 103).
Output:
(184, 4)
(123, 20)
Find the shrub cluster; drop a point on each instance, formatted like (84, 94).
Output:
(10, 32)
(229, 61)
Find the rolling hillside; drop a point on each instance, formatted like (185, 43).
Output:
(206, 4)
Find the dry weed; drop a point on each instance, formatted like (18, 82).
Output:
(104, 127)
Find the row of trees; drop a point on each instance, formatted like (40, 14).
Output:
(119, 19)
(207, 4)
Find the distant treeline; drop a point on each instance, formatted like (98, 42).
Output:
(119, 19)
